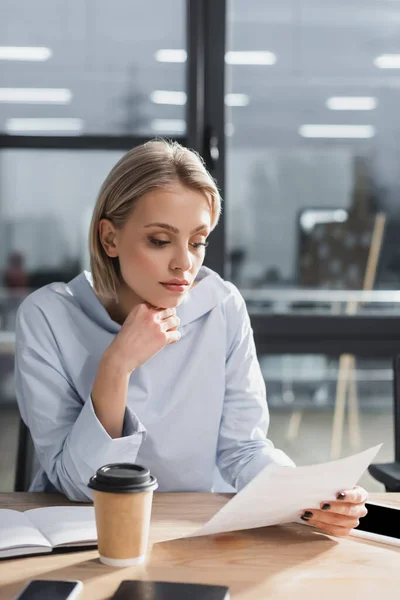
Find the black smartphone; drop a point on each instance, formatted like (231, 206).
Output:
(167, 590)
(44, 589)
(381, 524)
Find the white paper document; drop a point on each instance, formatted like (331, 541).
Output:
(279, 494)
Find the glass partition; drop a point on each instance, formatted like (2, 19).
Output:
(82, 67)
(313, 149)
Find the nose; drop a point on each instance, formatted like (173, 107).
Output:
(182, 259)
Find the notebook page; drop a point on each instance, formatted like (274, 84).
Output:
(16, 531)
(65, 525)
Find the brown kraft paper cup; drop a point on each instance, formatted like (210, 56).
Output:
(122, 516)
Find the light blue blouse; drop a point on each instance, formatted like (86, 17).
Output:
(196, 407)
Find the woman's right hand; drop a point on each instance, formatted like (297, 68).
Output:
(145, 331)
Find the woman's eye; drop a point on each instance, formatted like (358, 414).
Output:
(158, 243)
(162, 243)
(197, 245)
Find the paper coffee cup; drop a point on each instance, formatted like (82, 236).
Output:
(123, 496)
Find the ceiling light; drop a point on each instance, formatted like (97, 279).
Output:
(40, 95)
(173, 56)
(250, 58)
(337, 131)
(351, 103)
(388, 61)
(41, 125)
(168, 125)
(24, 53)
(237, 99)
(167, 97)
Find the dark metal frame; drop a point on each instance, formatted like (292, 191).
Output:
(206, 30)
(363, 336)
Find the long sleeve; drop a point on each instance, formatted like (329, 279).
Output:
(243, 448)
(69, 440)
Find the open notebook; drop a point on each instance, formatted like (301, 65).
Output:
(45, 529)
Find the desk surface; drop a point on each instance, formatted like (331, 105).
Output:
(283, 562)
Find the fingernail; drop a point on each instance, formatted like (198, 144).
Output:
(307, 515)
(341, 496)
(325, 506)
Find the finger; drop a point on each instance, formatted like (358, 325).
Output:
(330, 519)
(173, 336)
(330, 529)
(170, 323)
(355, 496)
(345, 508)
(165, 313)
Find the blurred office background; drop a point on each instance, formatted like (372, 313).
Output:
(294, 104)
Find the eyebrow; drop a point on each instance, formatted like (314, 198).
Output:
(174, 229)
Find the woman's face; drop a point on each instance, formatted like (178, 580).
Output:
(161, 247)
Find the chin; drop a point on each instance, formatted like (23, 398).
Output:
(163, 302)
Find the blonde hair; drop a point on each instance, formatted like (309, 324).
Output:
(153, 165)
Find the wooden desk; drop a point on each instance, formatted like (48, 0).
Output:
(285, 562)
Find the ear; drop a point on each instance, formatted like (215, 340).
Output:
(108, 237)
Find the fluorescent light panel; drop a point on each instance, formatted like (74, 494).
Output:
(17, 125)
(168, 125)
(251, 57)
(34, 53)
(337, 131)
(387, 61)
(35, 95)
(351, 103)
(167, 97)
(173, 56)
(237, 99)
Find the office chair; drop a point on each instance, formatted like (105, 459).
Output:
(389, 473)
(26, 459)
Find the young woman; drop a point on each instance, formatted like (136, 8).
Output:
(150, 357)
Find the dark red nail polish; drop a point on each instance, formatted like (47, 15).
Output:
(341, 496)
(306, 515)
(325, 506)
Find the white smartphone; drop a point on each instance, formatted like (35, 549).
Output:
(381, 524)
(44, 589)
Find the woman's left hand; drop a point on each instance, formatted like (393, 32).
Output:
(339, 517)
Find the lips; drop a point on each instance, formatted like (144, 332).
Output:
(176, 282)
(176, 285)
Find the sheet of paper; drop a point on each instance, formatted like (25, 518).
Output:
(279, 494)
